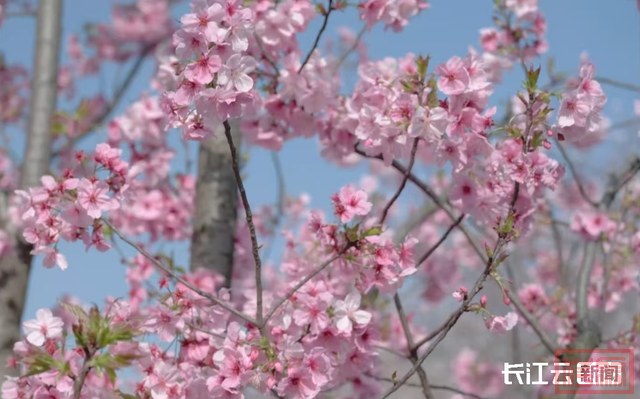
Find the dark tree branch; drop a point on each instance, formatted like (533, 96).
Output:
(393, 199)
(306, 279)
(249, 217)
(179, 279)
(317, 41)
(351, 49)
(115, 101)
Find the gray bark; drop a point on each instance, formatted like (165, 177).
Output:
(14, 269)
(214, 223)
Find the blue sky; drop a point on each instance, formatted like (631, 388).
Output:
(608, 30)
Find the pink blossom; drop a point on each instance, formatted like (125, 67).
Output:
(313, 311)
(203, 68)
(453, 77)
(235, 71)
(350, 203)
(348, 312)
(92, 196)
(52, 257)
(428, 123)
(298, 384)
(234, 368)
(574, 110)
(45, 326)
(502, 324)
(592, 225)
(204, 19)
(460, 294)
(76, 215)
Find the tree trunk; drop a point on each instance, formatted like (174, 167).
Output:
(214, 222)
(14, 269)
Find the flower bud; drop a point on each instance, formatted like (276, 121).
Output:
(506, 299)
(271, 382)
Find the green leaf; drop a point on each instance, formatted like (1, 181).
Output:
(111, 373)
(373, 231)
(423, 67)
(107, 232)
(41, 363)
(76, 310)
(432, 98)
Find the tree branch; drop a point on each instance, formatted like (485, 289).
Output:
(351, 49)
(532, 322)
(615, 83)
(317, 41)
(413, 353)
(115, 101)
(302, 282)
(574, 172)
(173, 275)
(616, 183)
(79, 381)
(442, 239)
(432, 195)
(455, 316)
(436, 387)
(393, 199)
(453, 319)
(249, 217)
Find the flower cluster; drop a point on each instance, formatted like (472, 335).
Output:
(394, 14)
(313, 341)
(579, 116)
(321, 326)
(213, 69)
(159, 204)
(517, 37)
(70, 207)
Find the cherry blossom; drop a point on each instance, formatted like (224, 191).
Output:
(348, 312)
(44, 327)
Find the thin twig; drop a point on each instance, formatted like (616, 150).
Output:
(302, 282)
(351, 49)
(437, 387)
(414, 220)
(393, 199)
(432, 195)
(249, 217)
(455, 316)
(117, 97)
(79, 381)
(317, 41)
(621, 85)
(575, 174)
(616, 183)
(17, 14)
(453, 319)
(173, 275)
(202, 330)
(267, 56)
(440, 241)
(532, 322)
(413, 353)
(392, 351)
(280, 201)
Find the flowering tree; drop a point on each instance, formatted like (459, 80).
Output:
(320, 322)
